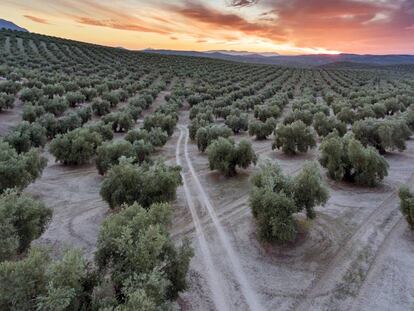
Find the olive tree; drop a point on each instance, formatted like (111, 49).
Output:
(407, 205)
(262, 129)
(238, 122)
(224, 155)
(309, 190)
(75, 98)
(156, 136)
(108, 154)
(272, 204)
(275, 199)
(22, 219)
(75, 147)
(6, 101)
(347, 159)
(39, 283)
(26, 135)
(127, 183)
(264, 112)
(32, 112)
(57, 105)
(388, 134)
(293, 138)
(324, 125)
(205, 135)
(165, 122)
(134, 248)
(101, 107)
(120, 121)
(19, 170)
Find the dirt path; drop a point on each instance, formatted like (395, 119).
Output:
(11, 117)
(213, 278)
(236, 267)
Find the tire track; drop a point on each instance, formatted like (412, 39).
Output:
(398, 227)
(248, 293)
(213, 278)
(336, 266)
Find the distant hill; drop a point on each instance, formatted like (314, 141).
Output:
(298, 60)
(11, 26)
(349, 65)
(243, 53)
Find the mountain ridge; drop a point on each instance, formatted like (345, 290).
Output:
(310, 60)
(5, 24)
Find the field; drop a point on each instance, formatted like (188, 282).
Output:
(355, 255)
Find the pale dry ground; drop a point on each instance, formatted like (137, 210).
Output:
(10, 117)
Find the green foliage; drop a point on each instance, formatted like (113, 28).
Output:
(142, 150)
(165, 122)
(271, 204)
(299, 115)
(6, 101)
(346, 115)
(309, 190)
(75, 147)
(264, 112)
(101, 107)
(134, 247)
(75, 98)
(238, 123)
(262, 129)
(274, 215)
(30, 94)
(293, 138)
(388, 134)
(205, 135)
(57, 105)
(324, 125)
(224, 155)
(156, 136)
(105, 130)
(276, 197)
(19, 170)
(32, 112)
(22, 281)
(407, 205)
(147, 184)
(25, 219)
(39, 283)
(195, 125)
(120, 121)
(25, 136)
(108, 154)
(85, 113)
(347, 159)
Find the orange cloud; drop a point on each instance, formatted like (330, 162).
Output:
(37, 19)
(111, 23)
(198, 13)
(347, 25)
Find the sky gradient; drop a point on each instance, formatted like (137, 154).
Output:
(283, 26)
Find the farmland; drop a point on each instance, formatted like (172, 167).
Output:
(192, 133)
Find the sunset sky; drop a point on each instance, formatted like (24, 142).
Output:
(283, 26)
